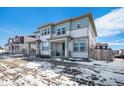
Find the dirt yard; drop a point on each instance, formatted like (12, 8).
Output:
(59, 72)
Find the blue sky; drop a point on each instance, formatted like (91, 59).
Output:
(24, 21)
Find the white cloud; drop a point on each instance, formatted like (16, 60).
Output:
(5, 30)
(111, 24)
(116, 44)
(2, 40)
(119, 42)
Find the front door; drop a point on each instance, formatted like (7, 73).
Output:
(63, 49)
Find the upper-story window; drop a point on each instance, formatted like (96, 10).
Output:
(78, 25)
(63, 30)
(42, 32)
(58, 32)
(46, 31)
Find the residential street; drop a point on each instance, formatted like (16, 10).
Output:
(59, 72)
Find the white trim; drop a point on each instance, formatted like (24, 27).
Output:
(57, 40)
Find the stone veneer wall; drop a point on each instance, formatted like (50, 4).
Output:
(101, 54)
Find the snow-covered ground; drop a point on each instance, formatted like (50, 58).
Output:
(15, 71)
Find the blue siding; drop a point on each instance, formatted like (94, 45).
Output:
(83, 23)
(60, 26)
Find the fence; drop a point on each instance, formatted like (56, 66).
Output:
(101, 54)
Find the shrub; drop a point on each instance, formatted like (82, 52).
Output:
(43, 56)
(120, 56)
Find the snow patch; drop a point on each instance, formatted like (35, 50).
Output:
(31, 65)
(29, 78)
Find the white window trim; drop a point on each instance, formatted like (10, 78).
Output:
(45, 45)
(61, 31)
(45, 30)
(78, 41)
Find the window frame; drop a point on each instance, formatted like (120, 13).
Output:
(75, 47)
(78, 25)
(59, 31)
(63, 30)
(48, 31)
(42, 32)
(83, 46)
(45, 46)
(79, 41)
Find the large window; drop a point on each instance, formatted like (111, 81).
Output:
(82, 46)
(76, 46)
(61, 31)
(45, 46)
(46, 31)
(79, 46)
(58, 32)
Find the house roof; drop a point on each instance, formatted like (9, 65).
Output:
(34, 41)
(29, 39)
(89, 15)
(49, 24)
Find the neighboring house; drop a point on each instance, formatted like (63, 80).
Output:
(121, 52)
(69, 38)
(30, 46)
(16, 45)
(116, 52)
(101, 51)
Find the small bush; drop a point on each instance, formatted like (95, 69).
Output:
(121, 56)
(43, 56)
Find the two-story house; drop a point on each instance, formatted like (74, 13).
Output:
(15, 44)
(69, 38)
(30, 45)
(21, 45)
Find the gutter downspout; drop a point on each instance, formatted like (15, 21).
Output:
(88, 40)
